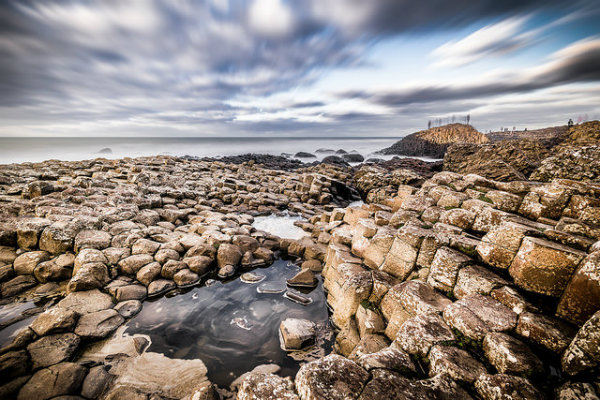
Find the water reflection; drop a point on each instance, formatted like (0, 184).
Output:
(231, 326)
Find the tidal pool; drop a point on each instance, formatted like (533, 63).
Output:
(233, 326)
(282, 226)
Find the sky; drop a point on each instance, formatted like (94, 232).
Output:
(294, 67)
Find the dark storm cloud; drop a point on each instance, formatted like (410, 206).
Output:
(580, 63)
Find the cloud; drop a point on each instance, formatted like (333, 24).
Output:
(578, 62)
(271, 18)
(495, 39)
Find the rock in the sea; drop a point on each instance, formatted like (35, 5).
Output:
(296, 334)
(303, 154)
(304, 278)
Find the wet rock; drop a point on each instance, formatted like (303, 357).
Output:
(59, 237)
(92, 239)
(228, 254)
(86, 302)
(544, 267)
(505, 387)
(509, 355)
(457, 363)
(545, 331)
(60, 379)
(352, 157)
(13, 364)
(89, 276)
(186, 277)
(132, 264)
(199, 264)
(54, 320)
(331, 377)
(95, 382)
(29, 231)
(584, 351)
(304, 278)
(160, 286)
(52, 349)
(17, 285)
(148, 273)
(99, 324)
(417, 335)
(581, 298)
(267, 387)
(226, 271)
(128, 308)
(303, 154)
(25, 263)
(130, 292)
(477, 315)
(172, 267)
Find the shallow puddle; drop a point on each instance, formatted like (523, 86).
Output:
(234, 326)
(282, 226)
(12, 312)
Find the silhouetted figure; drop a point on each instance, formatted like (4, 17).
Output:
(570, 123)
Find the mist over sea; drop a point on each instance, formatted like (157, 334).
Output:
(17, 150)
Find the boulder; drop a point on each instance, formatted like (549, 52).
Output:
(418, 334)
(60, 379)
(581, 298)
(86, 302)
(13, 364)
(501, 386)
(55, 319)
(186, 277)
(509, 355)
(25, 263)
(89, 276)
(29, 231)
(544, 267)
(128, 308)
(304, 278)
(550, 333)
(332, 377)
(228, 254)
(92, 239)
(130, 292)
(296, 333)
(445, 267)
(99, 324)
(457, 363)
(59, 237)
(52, 349)
(132, 264)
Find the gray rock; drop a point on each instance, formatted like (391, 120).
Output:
(53, 349)
(99, 324)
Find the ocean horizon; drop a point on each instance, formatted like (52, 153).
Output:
(37, 149)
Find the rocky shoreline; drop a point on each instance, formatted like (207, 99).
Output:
(440, 285)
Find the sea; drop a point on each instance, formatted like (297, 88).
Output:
(18, 150)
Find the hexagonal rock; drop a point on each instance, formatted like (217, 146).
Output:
(267, 387)
(350, 285)
(52, 349)
(92, 239)
(403, 254)
(99, 324)
(477, 315)
(407, 300)
(544, 267)
(295, 333)
(458, 217)
(550, 333)
(332, 377)
(391, 358)
(369, 343)
(475, 279)
(506, 387)
(512, 299)
(457, 363)
(378, 247)
(417, 335)
(390, 385)
(509, 355)
(584, 351)
(29, 230)
(60, 379)
(228, 254)
(25, 263)
(581, 298)
(58, 237)
(54, 320)
(444, 268)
